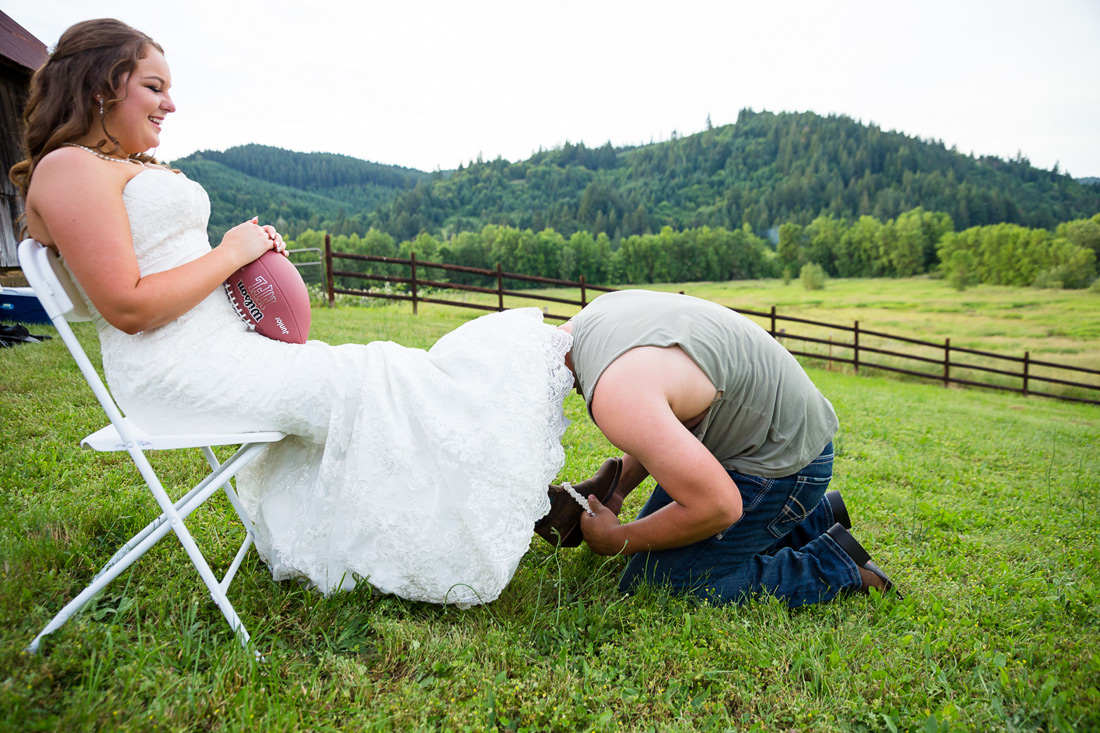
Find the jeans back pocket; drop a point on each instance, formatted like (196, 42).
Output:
(805, 495)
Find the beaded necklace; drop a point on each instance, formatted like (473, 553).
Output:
(98, 154)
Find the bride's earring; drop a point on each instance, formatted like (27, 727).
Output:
(100, 106)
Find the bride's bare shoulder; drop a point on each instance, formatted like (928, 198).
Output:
(68, 182)
(72, 164)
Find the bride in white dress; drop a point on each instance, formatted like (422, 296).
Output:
(420, 472)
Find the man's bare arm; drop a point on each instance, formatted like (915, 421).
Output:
(640, 404)
(633, 474)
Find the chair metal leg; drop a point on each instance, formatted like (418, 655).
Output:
(253, 450)
(226, 472)
(211, 581)
(232, 571)
(108, 574)
(101, 581)
(235, 501)
(171, 518)
(184, 506)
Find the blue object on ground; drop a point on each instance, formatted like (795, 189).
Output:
(21, 305)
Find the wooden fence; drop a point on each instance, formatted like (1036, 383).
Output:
(948, 364)
(416, 280)
(952, 365)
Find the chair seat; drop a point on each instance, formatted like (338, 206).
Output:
(107, 439)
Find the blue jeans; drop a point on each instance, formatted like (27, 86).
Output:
(777, 547)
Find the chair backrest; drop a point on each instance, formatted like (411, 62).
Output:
(51, 282)
(62, 301)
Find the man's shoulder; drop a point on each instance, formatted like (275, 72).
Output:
(666, 374)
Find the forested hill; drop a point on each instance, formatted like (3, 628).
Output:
(766, 170)
(295, 191)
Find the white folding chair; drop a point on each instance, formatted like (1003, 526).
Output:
(63, 303)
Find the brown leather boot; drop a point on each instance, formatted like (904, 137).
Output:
(562, 524)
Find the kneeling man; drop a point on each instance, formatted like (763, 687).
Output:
(739, 441)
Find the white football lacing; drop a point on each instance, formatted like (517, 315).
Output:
(237, 306)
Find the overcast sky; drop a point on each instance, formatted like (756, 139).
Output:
(432, 84)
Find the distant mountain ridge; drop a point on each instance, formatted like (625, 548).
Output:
(294, 190)
(765, 170)
(310, 171)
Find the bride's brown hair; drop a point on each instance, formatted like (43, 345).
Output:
(89, 61)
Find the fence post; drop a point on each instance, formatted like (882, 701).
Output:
(1027, 363)
(329, 287)
(855, 347)
(412, 267)
(773, 321)
(500, 289)
(584, 302)
(946, 362)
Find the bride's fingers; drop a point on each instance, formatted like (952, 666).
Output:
(277, 239)
(271, 237)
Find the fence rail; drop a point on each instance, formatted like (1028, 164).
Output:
(947, 368)
(415, 282)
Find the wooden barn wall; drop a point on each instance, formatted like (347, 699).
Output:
(13, 90)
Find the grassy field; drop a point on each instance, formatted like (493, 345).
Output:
(981, 505)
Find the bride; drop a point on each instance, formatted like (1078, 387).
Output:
(419, 472)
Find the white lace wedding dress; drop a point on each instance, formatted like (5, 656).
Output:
(420, 472)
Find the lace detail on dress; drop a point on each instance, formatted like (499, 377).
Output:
(421, 472)
(449, 474)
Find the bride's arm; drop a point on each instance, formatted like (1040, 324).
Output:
(75, 204)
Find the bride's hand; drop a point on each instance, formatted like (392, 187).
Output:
(276, 238)
(249, 240)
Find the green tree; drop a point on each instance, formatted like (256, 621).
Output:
(426, 247)
(905, 250)
(790, 246)
(857, 253)
(590, 257)
(1082, 232)
(822, 239)
(957, 263)
(1005, 254)
(812, 276)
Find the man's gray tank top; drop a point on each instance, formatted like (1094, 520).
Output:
(768, 419)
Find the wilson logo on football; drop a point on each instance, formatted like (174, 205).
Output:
(260, 296)
(271, 286)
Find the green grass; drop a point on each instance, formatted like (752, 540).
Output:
(980, 505)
